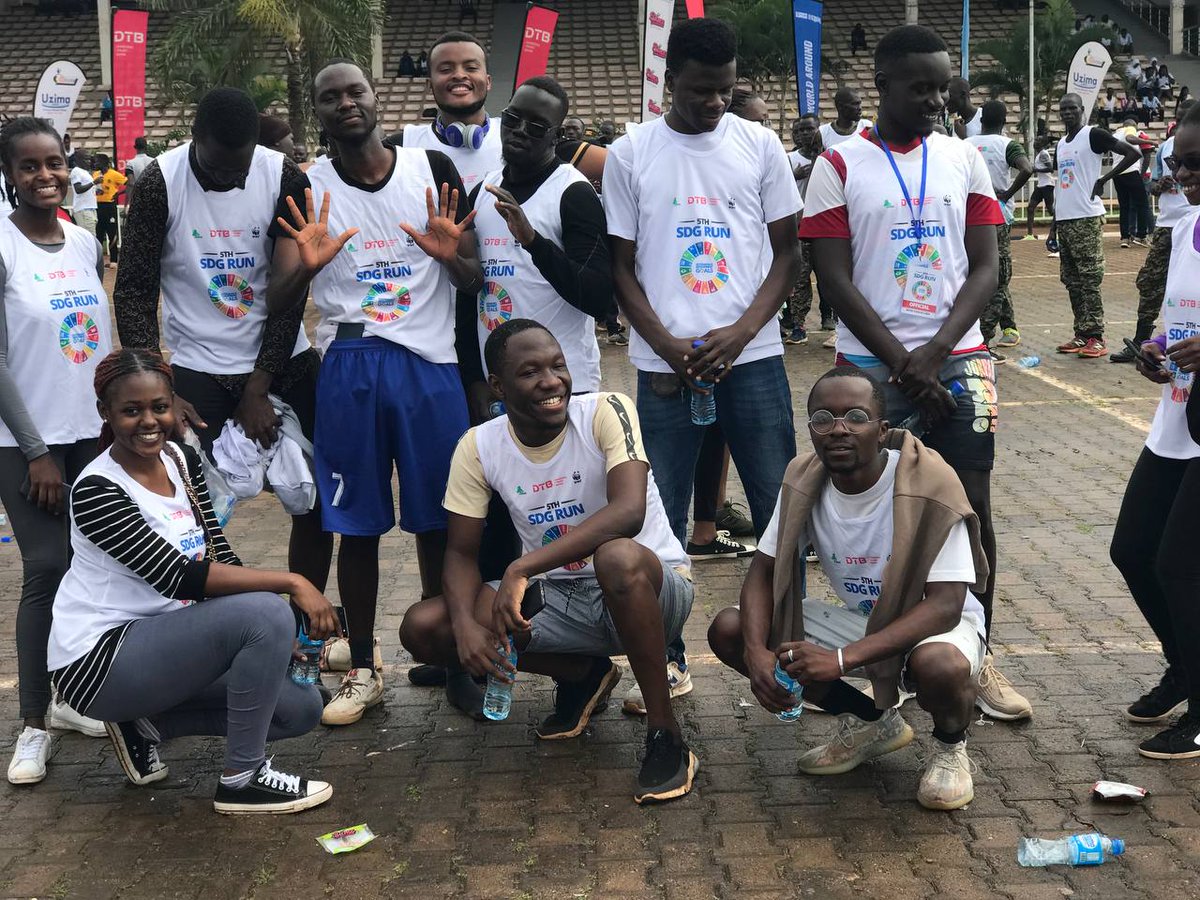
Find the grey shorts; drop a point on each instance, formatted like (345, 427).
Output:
(575, 619)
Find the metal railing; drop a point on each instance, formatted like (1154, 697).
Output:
(1157, 17)
(1191, 41)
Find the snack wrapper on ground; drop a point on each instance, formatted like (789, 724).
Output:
(346, 839)
(1117, 790)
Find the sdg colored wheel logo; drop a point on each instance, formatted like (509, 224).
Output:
(231, 294)
(78, 337)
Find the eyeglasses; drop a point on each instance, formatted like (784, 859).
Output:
(535, 130)
(855, 420)
(1191, 162)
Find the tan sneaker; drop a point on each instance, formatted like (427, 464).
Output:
(361, 688)
(855, 743)
(335, 656)
(830, 343)
(947, 782)
(997, 697)
(679, 682)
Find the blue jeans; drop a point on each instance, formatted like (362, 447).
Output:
(754, 407)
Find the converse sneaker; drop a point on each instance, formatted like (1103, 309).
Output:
(361, 688)
(947, 782)
(855, 743)
(29, 757)
(997, 697)
(136, 744)
(732, 518)
(720, 547)
(64, 718)
(1180, 741)
(335, 655)
(667, 768)
(679, 682)
(1160, 702)
(271, 792)
(574, 702)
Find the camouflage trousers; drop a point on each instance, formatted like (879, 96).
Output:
(796, 307)
(999, 310)
(1081, 270)
(1152, 282)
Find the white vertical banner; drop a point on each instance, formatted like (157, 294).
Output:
(654, 56)
(1087, 72)
(57, 93)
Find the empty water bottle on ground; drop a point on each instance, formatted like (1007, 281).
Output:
(704, 406)
(1029, 362)
(793, 687)
(5, 537)
(916, 422)
(497, 700)
(1073, 850)
(307, 670)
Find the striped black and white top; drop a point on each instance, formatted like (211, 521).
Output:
(135, 554)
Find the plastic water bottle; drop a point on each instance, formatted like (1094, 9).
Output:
(1029, 362)
(916, 424)
(1076, 850)
(704, 406)
(5, 538)
(308, 670)
(497, 700)
(793, 687)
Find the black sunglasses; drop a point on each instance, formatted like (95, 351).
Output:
(535, 130)
(1191, 162)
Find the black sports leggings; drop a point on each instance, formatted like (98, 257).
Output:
(1155, 549)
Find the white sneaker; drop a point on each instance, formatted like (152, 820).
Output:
(855, 743)
(335, 656)
(679, 681)
(947, 782)
(29, 759)
(65, 718)
(830, 343)
(361, 688)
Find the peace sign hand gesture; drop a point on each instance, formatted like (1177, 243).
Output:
(316, 246)
(440, 242)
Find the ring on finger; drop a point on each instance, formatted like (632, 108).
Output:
(791, 656)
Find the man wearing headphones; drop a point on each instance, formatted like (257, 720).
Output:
(460, 83)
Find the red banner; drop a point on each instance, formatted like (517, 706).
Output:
(535, 45)
(129, 82)
(695, 9)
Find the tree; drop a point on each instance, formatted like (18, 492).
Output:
(1055, 43)
(184, 82)
(766, 45)
(308, 32)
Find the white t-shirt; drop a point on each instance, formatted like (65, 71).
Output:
(852, 535)
(1169, 436)
(994, 148)
(472, 164)
(853, 194)
(795, 160)
(1172, 205)
(974, 126)
(1078, 171)
(1044, 161)
(697, 206)
(831, 137)
(83, 199)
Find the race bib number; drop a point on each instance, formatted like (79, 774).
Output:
(922, 290)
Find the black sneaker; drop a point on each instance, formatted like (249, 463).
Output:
(720, 547)
(732, 517)
(1121, 356)
(1159, 703)
(575, 702)
(137, 754)
(1180, 741)
(271, 792)
(427, 676)
(829, 324)
(667, 768)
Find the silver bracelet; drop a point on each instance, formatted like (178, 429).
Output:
(841, 666)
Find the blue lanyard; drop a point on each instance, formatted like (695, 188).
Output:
(918, 222)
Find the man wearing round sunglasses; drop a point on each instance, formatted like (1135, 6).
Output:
(900, 545)
(1152, 277)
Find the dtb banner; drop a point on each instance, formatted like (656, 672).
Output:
(654, 56)
(57, 93)
(535, 46)
(129, 82)
(695, 9)
(1086, 74)
(806, 24)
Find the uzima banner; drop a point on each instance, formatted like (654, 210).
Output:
(654, 56)
(806, 23)
(57, 93)
(535, 45)
(695, 9)
(129, 82)
(1086, 74)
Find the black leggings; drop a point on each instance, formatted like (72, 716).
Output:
(1153, 548)
(107, 230)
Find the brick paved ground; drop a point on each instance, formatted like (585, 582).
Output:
(463, 809)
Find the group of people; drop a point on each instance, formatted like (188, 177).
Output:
(456, 351)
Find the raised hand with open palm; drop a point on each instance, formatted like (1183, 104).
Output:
(440, 242)
(316, 246)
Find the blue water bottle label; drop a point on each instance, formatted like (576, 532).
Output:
(1087, 850)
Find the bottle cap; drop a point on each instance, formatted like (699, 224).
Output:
(697, 343)
(1118, 846)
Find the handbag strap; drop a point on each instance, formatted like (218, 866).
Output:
(193, 501)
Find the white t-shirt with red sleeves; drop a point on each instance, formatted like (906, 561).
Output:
(853, 194)
(697, 206)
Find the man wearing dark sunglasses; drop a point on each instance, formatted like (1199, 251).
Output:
(900, 545)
